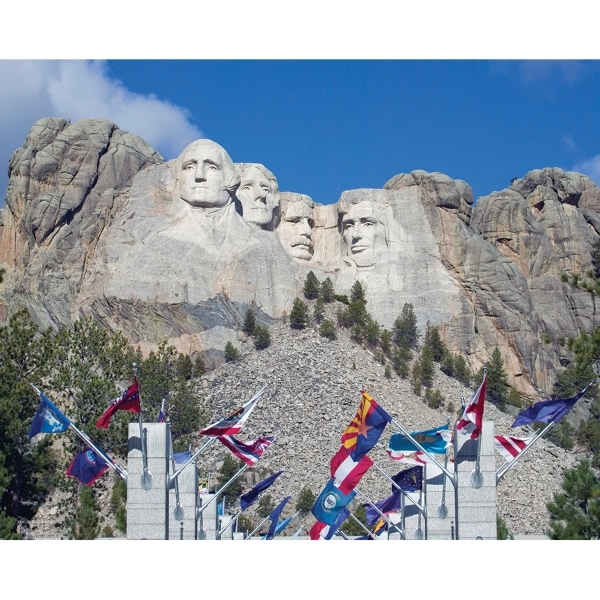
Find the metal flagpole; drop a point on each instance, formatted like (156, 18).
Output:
(297, 533)
(371, 535)
(146, 477)
(118, 469)
(404, 493)
(178, 512)
(189, 460)
(293, 517)
(375, 507)
(233, 520)
(501, 472)
(221, 490)
(442, 509)
(257, 528)
(476, 476)
(412, 439)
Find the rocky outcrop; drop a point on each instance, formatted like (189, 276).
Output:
(96, 223)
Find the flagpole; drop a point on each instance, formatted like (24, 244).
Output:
(450, 475)
(189, 460)
(501, 472)
(118, 469)
(257, 528)
(233, 520)
(146, 477)
(371, 535)
(292, 518)
(375, 507)
(297, 532)
(178, 513)
(221, 490)
(476, 476)
(404, 493)
(442, 511)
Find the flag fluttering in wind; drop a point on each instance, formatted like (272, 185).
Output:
(322, 531)
(250, 497)
(365, 428)
(434, 440)
(548, 411)
(274, 516)
(161, 413)
(248, 452)
(330, 502)
(346, 472)
(410, 458)
(87, 467)
(281, 526)
(471, 422)
(233, 423)
(409, 480)
(48, 419)
(510, 447)
(182, 457)
(390, 504)
(129, 401)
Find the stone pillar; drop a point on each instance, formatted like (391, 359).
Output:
(476, 507)
(439, 527)
(188, 492)
(147, 510)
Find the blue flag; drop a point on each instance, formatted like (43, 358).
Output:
(548, 411)
(434, 441)
(182, 457)
(280, 526)
(344, 514)
(274, 516)
(409, 480)
(249, 497)
(391, 504)
(87, 467)
(329, 504)
(48, 419)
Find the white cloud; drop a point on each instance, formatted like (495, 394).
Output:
(590, 167)
(76, 89)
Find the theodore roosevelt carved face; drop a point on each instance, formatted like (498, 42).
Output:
(206, 177)
(258, 194)
(296, 226)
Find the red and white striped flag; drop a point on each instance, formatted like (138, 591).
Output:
(471, 422)
(346, 472)
(510, 446)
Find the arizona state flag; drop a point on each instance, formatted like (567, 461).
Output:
(366, 428)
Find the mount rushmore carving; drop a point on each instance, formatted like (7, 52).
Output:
(97, 223)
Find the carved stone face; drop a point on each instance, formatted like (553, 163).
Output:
(361, 230)
(295, 230)
(257, 197)
(206, 169)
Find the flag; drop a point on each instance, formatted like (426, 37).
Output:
(280, 526)
(409, 480)
(366, 428)
(435, 440)
(330, 502)
(410, 458)
(48, 419)
(87, 467)
(322, 531)
(248, 498)
(390, 504)
(182, 457)
(548, 411)
(274, 516)
(471, 422)
(248, 452)
(129, 400)
(510, 446)
(161, 413)
(234, 422)
(346, 472)
(382, 525)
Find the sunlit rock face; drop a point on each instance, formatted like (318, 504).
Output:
(96, 223)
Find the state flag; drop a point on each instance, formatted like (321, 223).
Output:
(409, 480)
(330, 502)
(346, 472)
(248, 452)
(250, 497)
(129, 401)
(471, 422)
(233, 423)
(434, 440)
(87, 467)
(48, 418)
(510, 447)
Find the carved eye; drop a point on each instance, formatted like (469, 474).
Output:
(189, 167)
(246, 187)
(212, 167)
(348, 225)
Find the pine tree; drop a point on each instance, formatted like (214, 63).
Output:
(496, 387)
(228, 469)
(311, 286)
(434, 341)
(249, 323)
(327, 329)
(262, 337)
(231, 352)
(86, 525)
(357, 293)
(327, 291)
(426, 367)
(306, 500)
(319, 311)
(265, 506)
(299, 315)
(405, 327)
(575, 513)
(351, 527)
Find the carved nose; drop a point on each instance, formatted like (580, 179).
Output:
(260, 195)
(200, 172)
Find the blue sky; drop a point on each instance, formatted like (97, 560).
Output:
(324, 126)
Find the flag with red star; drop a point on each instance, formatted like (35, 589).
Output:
(365, 429)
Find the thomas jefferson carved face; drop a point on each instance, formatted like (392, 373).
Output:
(258, 196)
(295, 229)
(206, 175)
(361, 231)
